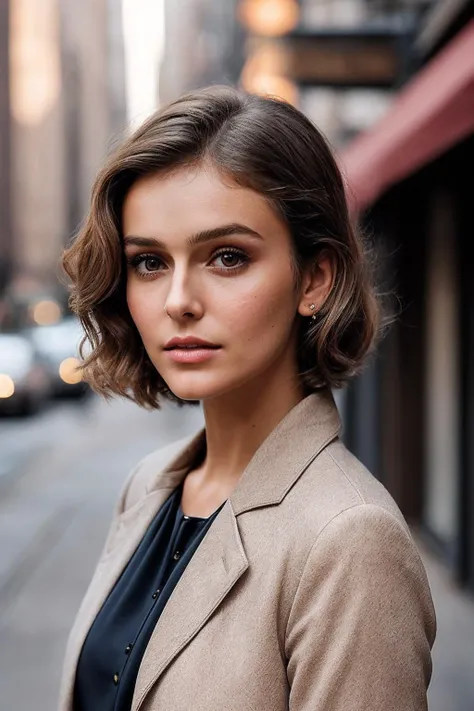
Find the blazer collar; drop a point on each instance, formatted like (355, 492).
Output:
(281, 458)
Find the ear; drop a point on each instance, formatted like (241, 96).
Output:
(316, 284)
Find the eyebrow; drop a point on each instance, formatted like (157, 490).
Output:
(234, 228)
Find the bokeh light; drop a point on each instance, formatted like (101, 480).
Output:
(7, 386)
(269, 18)
(68, 371)
(45, 313)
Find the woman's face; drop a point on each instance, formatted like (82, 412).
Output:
(209, 261)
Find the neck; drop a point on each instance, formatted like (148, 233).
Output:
(238, 423)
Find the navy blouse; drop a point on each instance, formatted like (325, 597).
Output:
(112, 652)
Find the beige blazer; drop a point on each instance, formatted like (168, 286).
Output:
(307, 592)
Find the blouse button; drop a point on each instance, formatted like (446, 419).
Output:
(177, 555)
(116, 679)
(128, 649)
(155, 594)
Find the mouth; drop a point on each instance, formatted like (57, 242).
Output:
(190, 348)
(191, 353)
(189, 343)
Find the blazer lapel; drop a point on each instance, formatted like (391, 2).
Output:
(209, 576)
(287, 451)
(130, 528)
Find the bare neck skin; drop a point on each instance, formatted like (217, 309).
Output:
(236, 424)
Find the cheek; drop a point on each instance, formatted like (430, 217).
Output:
(266, 310)
(140, 311)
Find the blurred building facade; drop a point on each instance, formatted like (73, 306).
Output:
(38, 146)
(67, 98)
(205, 48)
(410, 417)
(5, 206)
(340, 61)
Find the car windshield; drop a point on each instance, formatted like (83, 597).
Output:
(64, 336)
(15, 353)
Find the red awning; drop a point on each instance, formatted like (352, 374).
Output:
(432, 113)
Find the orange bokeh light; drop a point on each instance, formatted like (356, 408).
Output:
(269, 18)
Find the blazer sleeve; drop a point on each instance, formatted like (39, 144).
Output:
(362, 623)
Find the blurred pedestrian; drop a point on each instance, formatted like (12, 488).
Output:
(258, 566)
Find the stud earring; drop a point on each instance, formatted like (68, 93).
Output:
(313, 316)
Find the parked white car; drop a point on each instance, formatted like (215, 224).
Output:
(58, 345)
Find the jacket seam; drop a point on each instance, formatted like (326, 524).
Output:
(347, 477)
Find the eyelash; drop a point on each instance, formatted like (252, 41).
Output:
(135, 261)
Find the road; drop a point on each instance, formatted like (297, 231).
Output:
(60, 473)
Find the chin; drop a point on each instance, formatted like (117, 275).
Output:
(189, 386)
(197, 387)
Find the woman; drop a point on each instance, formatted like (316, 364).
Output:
(258, 566)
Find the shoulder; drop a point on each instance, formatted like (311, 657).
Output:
(336, 482)
(347, 520)
(366, 557)
(356, 529)
(364, 536)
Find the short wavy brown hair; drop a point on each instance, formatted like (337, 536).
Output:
(261, 143)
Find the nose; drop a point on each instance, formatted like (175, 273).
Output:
(182, 300)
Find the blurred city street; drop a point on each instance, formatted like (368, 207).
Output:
(55, 508)
(390, 84)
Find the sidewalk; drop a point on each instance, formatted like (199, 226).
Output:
(452, 685)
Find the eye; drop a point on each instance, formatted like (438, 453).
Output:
(145, 264)
(230, 259)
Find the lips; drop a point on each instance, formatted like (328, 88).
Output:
(194, 345)
(191, 351)
(189, 343)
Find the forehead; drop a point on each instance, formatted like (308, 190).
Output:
(191, 199)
